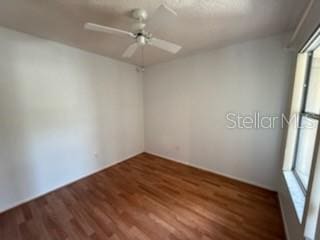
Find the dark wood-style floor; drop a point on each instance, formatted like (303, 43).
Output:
(147, 197)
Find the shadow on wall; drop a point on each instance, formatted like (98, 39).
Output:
(60, 116)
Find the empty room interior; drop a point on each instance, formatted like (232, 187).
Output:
(159, 120)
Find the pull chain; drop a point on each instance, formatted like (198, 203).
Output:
(142, 58)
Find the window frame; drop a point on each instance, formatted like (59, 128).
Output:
(309, 49)
(306, 202)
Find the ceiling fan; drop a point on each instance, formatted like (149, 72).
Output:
(140, 35)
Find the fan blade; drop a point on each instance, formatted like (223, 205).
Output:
(164, 7)
(164, 11)
(162, 16)
(165, 45)
(130, 50)
(100, 28)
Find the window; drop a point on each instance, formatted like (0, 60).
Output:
(302, 154)
(309, 120)
(313, 93)
(305, 149)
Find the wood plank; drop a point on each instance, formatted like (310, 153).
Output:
(148, 197)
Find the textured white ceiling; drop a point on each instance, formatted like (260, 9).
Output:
(201, 24)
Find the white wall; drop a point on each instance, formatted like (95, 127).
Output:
(64, 113)
(186, 100)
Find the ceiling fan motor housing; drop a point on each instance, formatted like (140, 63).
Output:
(140, 14)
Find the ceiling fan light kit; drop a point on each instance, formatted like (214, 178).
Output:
(140, 35)
(141, 40)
